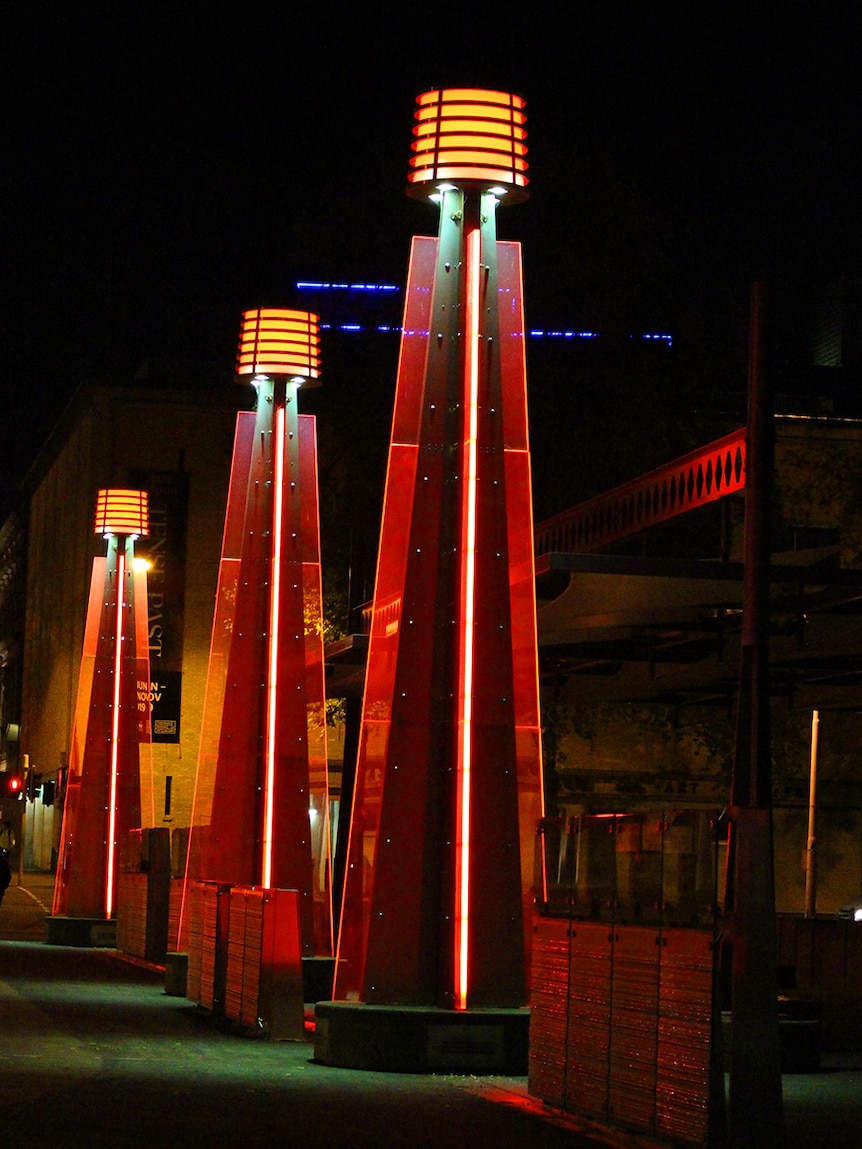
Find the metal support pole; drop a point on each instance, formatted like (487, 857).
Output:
(755, 1116)
(23, 827)
(810, 855)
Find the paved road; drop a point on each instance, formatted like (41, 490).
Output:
(94, 1053)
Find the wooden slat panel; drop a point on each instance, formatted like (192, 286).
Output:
(207, 941)
(548, 1010)
(236, 955)
(587, 1067)
(685, 999)
(132, 913)
(623, 1035)
(174, 911)
(634, 1026)
(252, 956)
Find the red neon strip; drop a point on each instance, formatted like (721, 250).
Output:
(272, 663)
(468, 589)
(115, 733)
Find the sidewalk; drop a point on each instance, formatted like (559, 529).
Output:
(94, 1053)
(24, 908)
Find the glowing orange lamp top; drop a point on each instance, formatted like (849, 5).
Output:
(122, 512)
(471, 138)
(275, 341)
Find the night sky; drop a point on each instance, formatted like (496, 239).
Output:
(166, 166)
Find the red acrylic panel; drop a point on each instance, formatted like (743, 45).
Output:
(382, 759)
(397, 943)
(315, 687)
(143, 706)
(496, 925)
(222, 629)
(71, 802)
(522, 569)
(409, 401)
(513, 366)
(300, 625)
(232, 846)
(134, 717)
(86, 863)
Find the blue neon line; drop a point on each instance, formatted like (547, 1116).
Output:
(303, 284)
(533, 333)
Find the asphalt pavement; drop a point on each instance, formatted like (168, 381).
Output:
(94, 1053)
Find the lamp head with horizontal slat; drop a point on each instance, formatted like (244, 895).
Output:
(122, 512)
(276, 341)
(471, 138)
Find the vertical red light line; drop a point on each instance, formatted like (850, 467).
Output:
(115, 733)
(468, 585)
(272, 661)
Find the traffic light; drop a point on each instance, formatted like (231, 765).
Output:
(11, 785)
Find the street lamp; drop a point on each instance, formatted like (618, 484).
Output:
(438, 889)
(263, 765)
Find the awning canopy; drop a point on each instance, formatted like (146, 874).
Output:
(625, 628)
(621, 628)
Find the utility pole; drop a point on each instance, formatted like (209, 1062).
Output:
(811, 842)
(755, 1114)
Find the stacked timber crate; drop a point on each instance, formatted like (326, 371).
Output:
(245, 957)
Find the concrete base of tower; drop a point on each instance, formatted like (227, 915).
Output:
(421, 1039)
(83, 932)
(318, 974)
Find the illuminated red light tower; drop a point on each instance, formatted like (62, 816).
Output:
(111, 733)
(261, 811)
(439, 883)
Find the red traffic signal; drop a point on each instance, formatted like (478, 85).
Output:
(11, 785)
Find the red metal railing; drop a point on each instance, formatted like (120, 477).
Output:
(701, 477)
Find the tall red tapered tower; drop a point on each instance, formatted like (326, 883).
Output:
(112, 723)
(261, 810)
(439, 881)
